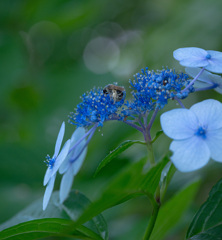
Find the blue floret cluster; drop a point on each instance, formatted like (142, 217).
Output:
(95, 108)
(152, 90)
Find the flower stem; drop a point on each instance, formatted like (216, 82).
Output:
(156, 207)
(214, 85)
(192, 82)
(178, 100)
(151, 157)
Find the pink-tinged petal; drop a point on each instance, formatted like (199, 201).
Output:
(189, 53)
(66, 185)
(190, 154)
(209, 113)
(61, 157)
(214, 142)
(47, 176)
(59, 139)
(48, 192)
(179, 123)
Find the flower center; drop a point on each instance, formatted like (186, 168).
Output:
(201, 132)
(50, 161)
(208, 56)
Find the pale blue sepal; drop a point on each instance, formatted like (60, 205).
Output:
(179, 123)
(76, 136)
(209, 113)
(59, 139)
(190, 154)
(48, 191)
(206, 79)
(65, 165)
(214, 142)
(61, 157)
(78, 163)
(215, 62)
(66, 185)
(191, 57)
(47, 176)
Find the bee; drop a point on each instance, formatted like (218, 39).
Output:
(115, 92)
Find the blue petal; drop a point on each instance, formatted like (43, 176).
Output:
(209, 113)
(191, 57)
(179, 123)
(78, 163)
(47, 176)
(65, 165)
(77, 135)
(48, 192)
(190, 154)
(66, 185)
(214, 142)
(194, 62)
(59, 139)
(205, 76)
(205, 79)
(215, 62)
(61, 157)
(189, 52)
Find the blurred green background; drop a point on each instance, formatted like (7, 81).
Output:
(51, 52)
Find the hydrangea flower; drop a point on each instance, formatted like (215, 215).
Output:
(96, 107)
(206, 79)
(197, 57)
(197, 134)
(53, 165)
(74, 160)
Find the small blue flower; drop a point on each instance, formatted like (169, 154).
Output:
(197, 134)
(96, 107)
(197, 57)
(74, 160)
(53, 165)
(206, 79)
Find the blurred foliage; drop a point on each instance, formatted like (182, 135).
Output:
(53, 51)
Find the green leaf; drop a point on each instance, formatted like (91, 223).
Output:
(166, 179)
(71, 209)
(159, 133)
(207, 223)
(48, 227)
(121, 148)
(171, 211)
(128, 184)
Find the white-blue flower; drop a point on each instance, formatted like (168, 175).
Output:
(53, 165)
(197, 57)
(197, 134)
(73, 161)
(206, 79)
